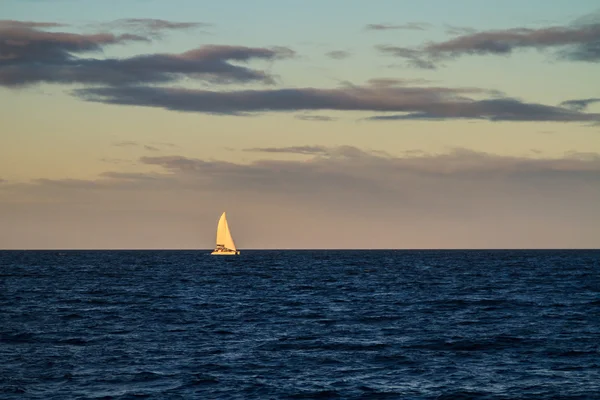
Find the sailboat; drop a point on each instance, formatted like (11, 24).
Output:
(225, 245)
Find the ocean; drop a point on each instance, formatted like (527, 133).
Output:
(372, 324)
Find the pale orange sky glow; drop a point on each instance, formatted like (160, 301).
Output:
(138, 129)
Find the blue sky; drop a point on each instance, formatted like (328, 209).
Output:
(476, 123)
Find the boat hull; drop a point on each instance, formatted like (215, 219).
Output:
(225, 253)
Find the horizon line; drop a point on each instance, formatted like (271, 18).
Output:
(317, 249)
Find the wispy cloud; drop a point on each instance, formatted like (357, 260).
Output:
(29, 55)
(311, 150)
(338, 54)
(499, 110)
(13, 24)
(502, 42)
(327, 165)
(151, 27)
(414, 57)
(414, 102)
(459, 30)
(319, 118)
(531, 202)
(414, 26)
(349, 177)
(164, 144)
(126, 143)
(387, 82)
(130, 176)
(149, 147)
(324, 152)
(156, 25)
(577, 42)
(117, 161)
(579, 104)
(24, 42)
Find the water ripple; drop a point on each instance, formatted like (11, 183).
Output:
(300, 325)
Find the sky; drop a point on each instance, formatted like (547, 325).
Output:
(336, 124)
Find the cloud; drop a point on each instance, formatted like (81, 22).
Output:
(459, 162)
(415, 58)
(130, 176)
(155, 147)
(126, 143)
(336, 197)
(154, 25)
(8, 24)
(24, 42)
(499, 110)
(150, 27)
(579, 104)
(338, 54)
(185, 164)
(165, 144)
(29, 56)
(343, 152)
(320, 118)
(577, 42)
(327, 165)
(311, 150)
(327, 171)
(459, 30)
(389, 82)
(415, 26)
(415, 102)
(116, 161)
(502, 42)
(331, 176)
(352, 169)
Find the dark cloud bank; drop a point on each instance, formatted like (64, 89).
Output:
(414, 102)
(30, 55)
(577, 42)
(34, 52)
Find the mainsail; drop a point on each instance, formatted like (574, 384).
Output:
(223, 235)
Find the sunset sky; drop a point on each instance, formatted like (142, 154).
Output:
(314, 124)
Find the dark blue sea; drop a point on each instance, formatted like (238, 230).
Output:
(300, 325)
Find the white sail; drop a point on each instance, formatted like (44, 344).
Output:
(223, 235)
